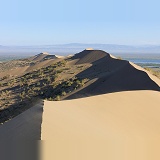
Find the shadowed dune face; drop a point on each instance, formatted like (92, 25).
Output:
(89, 56)
(110, 75)
(26, 126)
(19, 137)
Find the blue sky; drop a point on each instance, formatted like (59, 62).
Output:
(47, 22)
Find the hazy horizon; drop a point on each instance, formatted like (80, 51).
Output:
(73, 48)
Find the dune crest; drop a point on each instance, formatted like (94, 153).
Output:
(89, 56)
(89, 49)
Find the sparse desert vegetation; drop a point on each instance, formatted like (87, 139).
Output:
(53, 82)
(14, 64)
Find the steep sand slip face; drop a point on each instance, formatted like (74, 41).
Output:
(19, 136)
(112, 74)
(114, 126)
(26, 126)
(154, 78)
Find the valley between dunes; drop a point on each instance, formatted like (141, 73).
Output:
(114, 115)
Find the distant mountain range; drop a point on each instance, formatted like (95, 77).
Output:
(71, 48)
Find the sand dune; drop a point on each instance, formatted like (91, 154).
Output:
(42, 64)
(110, 75)
(113, 126)
(118, 118)
(44, 56)
(89, 56)
(39, 61)
(39, 57)
(124, 125)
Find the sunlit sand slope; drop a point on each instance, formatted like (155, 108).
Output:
(124, 125)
